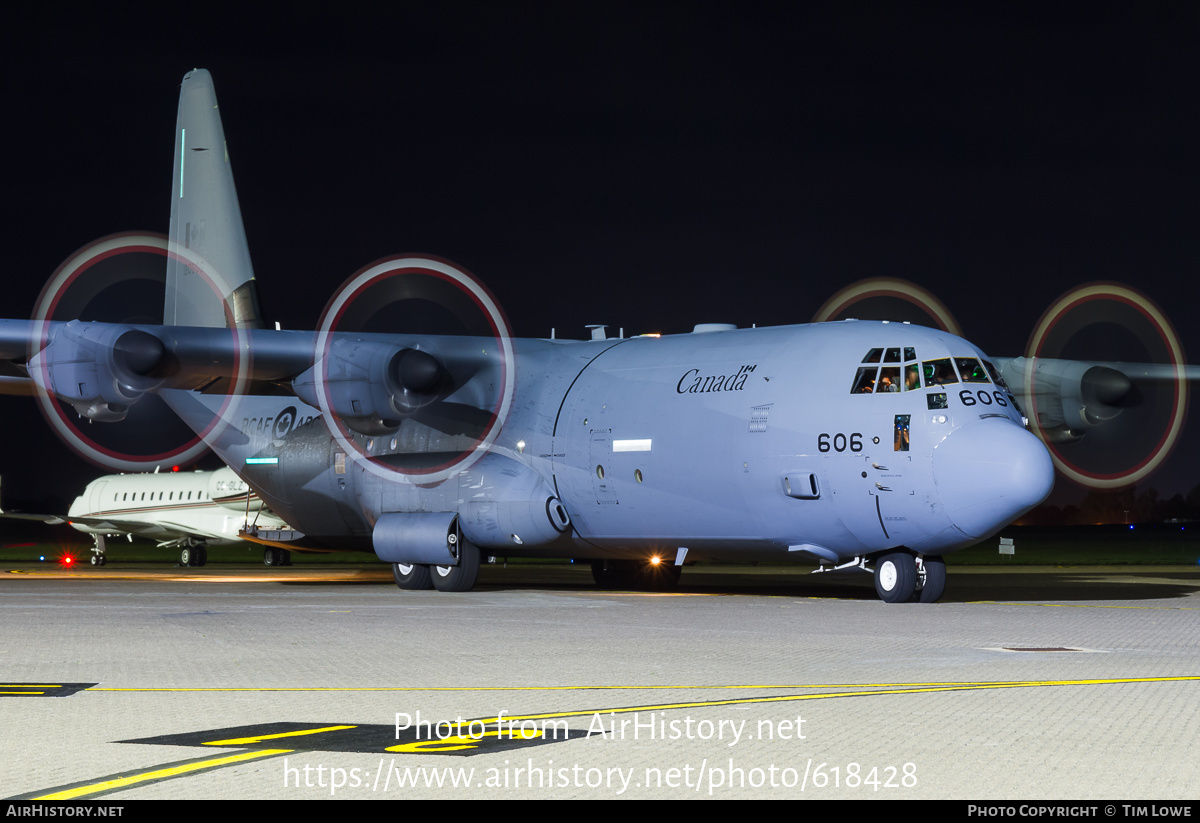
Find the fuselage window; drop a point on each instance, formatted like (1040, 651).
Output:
(873, 356)
(900, 443)
(892, 356)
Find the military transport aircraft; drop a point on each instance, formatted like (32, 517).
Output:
(185, 510)
(880, 446)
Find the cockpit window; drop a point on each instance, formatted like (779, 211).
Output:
(970, 370)
(889, 379)
(864, 381)
(939, 372)
(997, 378)
(900, 373)
(912, 377)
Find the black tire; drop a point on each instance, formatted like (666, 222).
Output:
(271, 557)
(412, 577)
(935, 580)
(186, 556)
(201, 555)
(96, 560)
(460, 578)
(895, 577)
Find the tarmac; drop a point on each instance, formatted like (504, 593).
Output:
(142, 681)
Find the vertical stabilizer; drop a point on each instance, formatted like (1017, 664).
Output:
(205, 218)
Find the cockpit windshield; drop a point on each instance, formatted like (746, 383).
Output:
(897, 369)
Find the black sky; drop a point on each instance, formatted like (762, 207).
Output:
(649, 166)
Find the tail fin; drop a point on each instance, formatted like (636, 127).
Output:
(205, 218)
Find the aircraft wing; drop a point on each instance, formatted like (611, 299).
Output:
(370, 381)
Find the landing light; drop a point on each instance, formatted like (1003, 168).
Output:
(654, 561)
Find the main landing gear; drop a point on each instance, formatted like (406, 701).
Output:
(99, 557)
(276, 557)
(901, 577)
(194, 555)
(460, 578)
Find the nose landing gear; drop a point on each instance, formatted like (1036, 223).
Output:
(902, 577)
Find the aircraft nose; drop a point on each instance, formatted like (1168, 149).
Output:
(990, 472)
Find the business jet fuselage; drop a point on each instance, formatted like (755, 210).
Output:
(185, 510)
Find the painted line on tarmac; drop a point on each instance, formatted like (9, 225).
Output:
(1078, 605)
(155, 774)
(173, 770)
(944, 685)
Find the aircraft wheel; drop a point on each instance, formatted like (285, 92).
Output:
(935, 580)
(201, 555)
(186, 556)
(460, 578)
(895, 577)
(274, 557)
(96, 560)
(412, 577)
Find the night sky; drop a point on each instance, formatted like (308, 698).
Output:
(649, 166)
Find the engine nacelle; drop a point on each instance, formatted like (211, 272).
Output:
(101, 370)
(372, 387)
(1070, 397)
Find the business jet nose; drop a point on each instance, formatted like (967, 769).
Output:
(990, 472)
